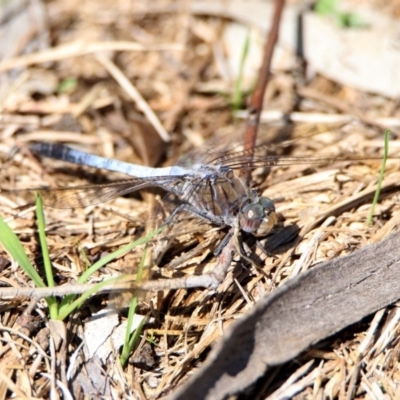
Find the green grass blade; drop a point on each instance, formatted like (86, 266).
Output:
(131, 339)
(43, 242)
(116, 254)
(13, 246)
(51, 301)
(325, 7)
(67, 305)
(237, 99)
(126, 348)
(134, 338)
(380, 179)
(66, 309)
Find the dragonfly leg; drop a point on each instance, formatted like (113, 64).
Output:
(222, 244)
(203, 215)
(225, 259)
(209, 281)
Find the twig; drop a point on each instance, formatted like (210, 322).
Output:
(343, 107)
(211, 281)
(80, 48)
(256, 101)
(317, 118)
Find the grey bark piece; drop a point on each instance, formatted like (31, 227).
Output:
(303, 311)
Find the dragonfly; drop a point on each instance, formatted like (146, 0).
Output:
(209, 188)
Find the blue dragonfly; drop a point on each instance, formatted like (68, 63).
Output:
(209, 188)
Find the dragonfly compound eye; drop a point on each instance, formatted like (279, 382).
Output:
(266, 203)
(258, 218)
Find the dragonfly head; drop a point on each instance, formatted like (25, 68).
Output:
(259, 217)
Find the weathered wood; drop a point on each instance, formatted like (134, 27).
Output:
(303, 311)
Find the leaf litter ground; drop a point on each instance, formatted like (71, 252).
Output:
(99, 116)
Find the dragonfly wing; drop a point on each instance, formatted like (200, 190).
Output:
(261, 155)
(259, 158)
(83, 196)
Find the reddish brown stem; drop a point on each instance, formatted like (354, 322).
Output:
(256, 100)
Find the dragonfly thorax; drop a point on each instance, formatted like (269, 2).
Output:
(225, 199)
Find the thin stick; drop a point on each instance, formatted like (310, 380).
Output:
(133, 93)
(79, 48)
(256, 101)
(210, 281)
(344, 107)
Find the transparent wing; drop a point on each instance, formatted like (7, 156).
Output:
(263, 154)
(83, 196)
(192, 189)
(248, 159)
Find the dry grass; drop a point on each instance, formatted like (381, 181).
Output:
(102, 115)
